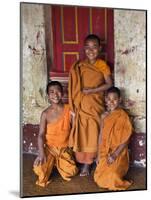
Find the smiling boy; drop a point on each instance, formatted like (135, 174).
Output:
(115, 132)
(53, 138)
(88, 80)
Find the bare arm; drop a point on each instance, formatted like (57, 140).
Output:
(112, 157)
(120, 149)
(108, 83)
(41, 157)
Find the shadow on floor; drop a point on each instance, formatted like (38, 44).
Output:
(77, 185)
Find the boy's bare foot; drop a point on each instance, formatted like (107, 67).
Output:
(85, 171)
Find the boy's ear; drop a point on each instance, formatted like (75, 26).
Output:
(120, 99)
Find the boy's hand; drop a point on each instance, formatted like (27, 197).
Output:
(89, 91)
(111, 158)
(40, 160)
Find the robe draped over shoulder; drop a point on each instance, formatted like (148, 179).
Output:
(87, 108)
(116, 130)
(57, 151)
(57, 132)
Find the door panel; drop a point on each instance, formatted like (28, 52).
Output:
(71, 25)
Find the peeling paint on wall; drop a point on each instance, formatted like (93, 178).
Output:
(138, 147)
(30, 134)
(34, 66)
(130, 77)
(140, 163)
(130, 59)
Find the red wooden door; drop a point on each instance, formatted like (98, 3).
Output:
(70, 26)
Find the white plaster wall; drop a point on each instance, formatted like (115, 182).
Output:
(130, 58)
(33, 62)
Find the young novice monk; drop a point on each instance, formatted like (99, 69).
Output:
(116, 130)
(88, 80)
(53, 138)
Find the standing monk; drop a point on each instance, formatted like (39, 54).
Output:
(88, 80)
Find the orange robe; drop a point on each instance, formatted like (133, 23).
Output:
(116, 130)
(87, 108)
(56, 150)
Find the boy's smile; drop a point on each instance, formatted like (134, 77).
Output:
(91, 49)
(54, 94)
(112, 101)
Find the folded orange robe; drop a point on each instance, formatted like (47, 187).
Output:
(116, 130)
(56, 150)
(87, 108)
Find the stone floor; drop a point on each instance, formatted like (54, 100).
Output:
(77, 185)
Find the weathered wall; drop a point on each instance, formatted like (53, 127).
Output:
(34, 68)
(130, 77)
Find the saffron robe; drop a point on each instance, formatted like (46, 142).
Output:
(116, 130)
(87, 108)
(56, 150)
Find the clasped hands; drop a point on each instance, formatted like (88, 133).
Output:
(89, 90)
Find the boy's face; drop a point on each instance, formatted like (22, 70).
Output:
(54, 94)
(112, 101)
(91, 49)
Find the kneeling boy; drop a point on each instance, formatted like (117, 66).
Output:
(116, 130)
(53, 138)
